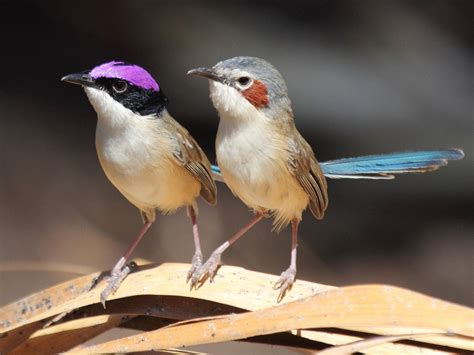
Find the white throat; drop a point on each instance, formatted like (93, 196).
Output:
(109, 111)
(241, 124)
(123, 138)
(230, 104)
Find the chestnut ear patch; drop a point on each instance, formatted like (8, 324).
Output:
(257, 94)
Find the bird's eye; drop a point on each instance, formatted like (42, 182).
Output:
(244, 82)
(120, 86)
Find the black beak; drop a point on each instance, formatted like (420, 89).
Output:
(83, 79)
(206, 73)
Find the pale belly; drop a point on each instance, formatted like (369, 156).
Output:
(255, 170)
(166, 188)
(148, 178)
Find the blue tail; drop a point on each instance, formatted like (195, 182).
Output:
(216, 173)
(382, 166)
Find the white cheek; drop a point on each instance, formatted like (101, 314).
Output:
(228, 101)
(107, 108)
(99, 99)
(94, 95)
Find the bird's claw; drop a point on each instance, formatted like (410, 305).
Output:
(287, 278)
(207, 271)
(196, 264)
(115, 280)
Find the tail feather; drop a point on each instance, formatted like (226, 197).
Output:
(216, 173)
(383, 166)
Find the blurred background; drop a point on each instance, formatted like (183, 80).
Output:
(364, 77)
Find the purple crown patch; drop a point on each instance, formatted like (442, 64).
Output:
(130, 72)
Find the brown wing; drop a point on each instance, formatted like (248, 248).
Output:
(190, 155)
(305, 168)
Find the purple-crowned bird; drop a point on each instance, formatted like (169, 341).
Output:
(266, 162)
(148, 156)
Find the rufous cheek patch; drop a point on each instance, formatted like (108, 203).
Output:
(257, 94)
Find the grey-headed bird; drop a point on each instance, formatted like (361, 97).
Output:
(148, 156)
(266, 162)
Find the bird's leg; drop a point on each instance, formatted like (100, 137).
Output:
(209, 268)
(120, 271)
(287, 277)
(197, 257)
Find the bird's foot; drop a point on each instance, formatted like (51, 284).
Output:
(287, 278)
(115, 280)
(207, 271)
(196, 264)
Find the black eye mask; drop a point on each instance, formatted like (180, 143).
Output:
(141, 101)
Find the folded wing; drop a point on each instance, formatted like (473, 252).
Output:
(190, 155)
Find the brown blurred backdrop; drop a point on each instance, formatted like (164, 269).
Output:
(364, 77)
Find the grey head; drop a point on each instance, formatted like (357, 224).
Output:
(258, 81)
